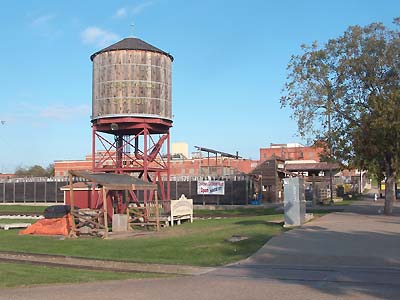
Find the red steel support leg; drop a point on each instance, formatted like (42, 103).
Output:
(145, 162)
(119, 153)
(168, 168)
(93, 147)
(94, 196)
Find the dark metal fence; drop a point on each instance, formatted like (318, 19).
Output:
(47, 190)
(238, 190)
(33, 190)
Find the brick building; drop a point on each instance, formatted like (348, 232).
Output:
(7, 176)
(180, 166)
(292, 151)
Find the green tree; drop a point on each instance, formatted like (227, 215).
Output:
(50, 170)
(346, 93)
(35, 171)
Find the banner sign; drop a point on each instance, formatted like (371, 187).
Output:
(210, 187)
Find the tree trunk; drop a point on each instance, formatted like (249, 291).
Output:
(390, 193)
(314, 192)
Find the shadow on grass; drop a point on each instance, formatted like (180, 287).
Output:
(238, 212)
(252, 222)
(260, 222)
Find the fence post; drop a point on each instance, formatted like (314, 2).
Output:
(25, 190)
(14, 192)
(34, 192)
(176, 188)
(247, 182)
(55, 192)
(45, 191)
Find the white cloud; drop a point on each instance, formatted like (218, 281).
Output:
(97, 36)
(138, 8)
(36, 115)
(63, 112)
(42, 20)
(44, 25)
(121, 13)
(132, 10)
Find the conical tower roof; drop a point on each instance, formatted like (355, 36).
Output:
(131, 44)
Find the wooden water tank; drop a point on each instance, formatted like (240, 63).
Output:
(131, 79)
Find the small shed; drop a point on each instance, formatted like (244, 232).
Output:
(105, 182)
(271, 173)
(83, 195)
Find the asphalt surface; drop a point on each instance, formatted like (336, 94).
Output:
(348, 255)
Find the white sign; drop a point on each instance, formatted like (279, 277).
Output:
(210, 187)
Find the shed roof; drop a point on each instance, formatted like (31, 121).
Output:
(131, 44)
(116, 181)
(81, 185)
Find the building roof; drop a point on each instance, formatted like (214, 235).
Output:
(321, 166)
(265, 166)
(131, 44)
(216, 152)
(116, 181)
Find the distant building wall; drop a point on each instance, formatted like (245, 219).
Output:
(291, 152)
(6, 176)
(62, 167)
(184, 167)
(180, 148)
(212, 167)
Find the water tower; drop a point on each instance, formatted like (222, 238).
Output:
(132, 112)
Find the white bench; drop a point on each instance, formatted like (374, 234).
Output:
(181, 209)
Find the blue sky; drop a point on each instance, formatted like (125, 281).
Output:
(229, 68)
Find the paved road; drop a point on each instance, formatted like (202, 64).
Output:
(349, 255)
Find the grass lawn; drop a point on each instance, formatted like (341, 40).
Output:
(201, 243)
(9, 221)
(22, 208)
(12, 275)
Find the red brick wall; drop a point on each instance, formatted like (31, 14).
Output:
(61, 168)
(188, 167)
(292, 153)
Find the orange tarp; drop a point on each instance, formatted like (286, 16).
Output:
(57, 226)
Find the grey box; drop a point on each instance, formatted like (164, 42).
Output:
(294, 201)
(120, 223)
